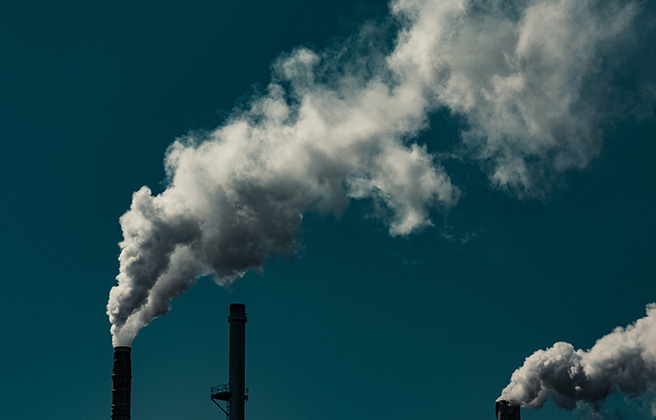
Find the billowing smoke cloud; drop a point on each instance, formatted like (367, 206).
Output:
(622, 361)
(526, 75)
(339, 125)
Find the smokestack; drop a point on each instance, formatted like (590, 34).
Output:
(121, 383)
(237, 320)
(506, 411)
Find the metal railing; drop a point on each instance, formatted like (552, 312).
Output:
(219, 389)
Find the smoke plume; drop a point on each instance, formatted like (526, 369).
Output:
(526, 79)
(622, 361)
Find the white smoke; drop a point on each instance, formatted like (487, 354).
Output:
(339, 125)
(526, 76)
(622, 361)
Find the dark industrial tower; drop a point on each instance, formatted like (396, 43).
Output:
(121, 383)
(506, 411)
(235, 392)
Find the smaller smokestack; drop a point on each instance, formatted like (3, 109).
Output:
(237, 320)
(506, 411)
(121, 383)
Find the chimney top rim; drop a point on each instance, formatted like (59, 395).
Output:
(122, 348)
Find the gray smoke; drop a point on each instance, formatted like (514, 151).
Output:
(622, 361)
(339, 125)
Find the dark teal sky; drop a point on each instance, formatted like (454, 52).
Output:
(359, 325)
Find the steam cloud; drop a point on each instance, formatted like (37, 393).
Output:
(622, 361)
(525, 77)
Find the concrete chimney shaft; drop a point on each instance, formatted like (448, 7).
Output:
(506, 411)
(237, 320)
(121, 383)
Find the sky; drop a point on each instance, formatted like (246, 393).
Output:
(389, 304)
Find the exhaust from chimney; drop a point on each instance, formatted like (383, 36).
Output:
(319, 136)
(121, 383)
(506, 411)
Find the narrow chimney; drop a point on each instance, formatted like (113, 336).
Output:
(237, 320)
(507, 411)
(121, 383)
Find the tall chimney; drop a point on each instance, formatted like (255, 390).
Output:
(121, 383)
(506, 411)
(237, 320)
